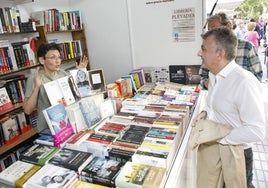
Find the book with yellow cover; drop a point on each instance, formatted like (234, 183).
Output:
(140, 175)
(20, 182)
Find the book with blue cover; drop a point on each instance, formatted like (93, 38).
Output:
(56, 117)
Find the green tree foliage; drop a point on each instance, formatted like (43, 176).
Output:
(251, 9)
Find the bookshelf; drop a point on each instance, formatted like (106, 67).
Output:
(62, 36)
(23, 137)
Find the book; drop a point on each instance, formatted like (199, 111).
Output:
(140, 175)
(52, 176)
(123, 87)
(75, 141)
(59, 91)
(83, 184)
(184, 74)
(101, 171)
(5, 102)
(133, 135)
(38, 154)
(71, 159)
(90, 111)
(81, 80)
(10, 129)
(56, 117)
(14, 172)
(19, 183)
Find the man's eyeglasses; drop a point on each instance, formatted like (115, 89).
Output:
(54, 58)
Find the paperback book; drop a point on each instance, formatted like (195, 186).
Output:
(140, 175)
(14, 172)
(101, 171)
(81, 81)
(52, 176)
(38, 154)
(71, 159)
(58, 123)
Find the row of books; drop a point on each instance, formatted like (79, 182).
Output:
(71, 49)
(14, 125)
(16, 55)
(181, 74)
(54, 20)
(80, 83)
(9, 20)
(127, 85)
(45, 166)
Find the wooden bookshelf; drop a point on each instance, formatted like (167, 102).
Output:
(23, 137)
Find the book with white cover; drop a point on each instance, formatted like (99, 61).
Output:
(59, 91)
(56, 117)
(9, 175)
(52, 176)
(81, 80)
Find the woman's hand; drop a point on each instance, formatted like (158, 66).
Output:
(38, 80)
(83, 62)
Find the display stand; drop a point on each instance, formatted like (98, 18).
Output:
(182, 172)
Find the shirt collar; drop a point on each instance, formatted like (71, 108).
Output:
(227, 69)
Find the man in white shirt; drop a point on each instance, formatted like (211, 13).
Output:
(234, 94)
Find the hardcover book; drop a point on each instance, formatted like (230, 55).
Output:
(59, 91)
(101, 171)
(52, 176)
(140, 175)
(90, 112)
(57, 118)
(81, 80)
(5, 102)
(14, 172)
(71, 159)
(38, 154)
(184, 74)
(10, 129)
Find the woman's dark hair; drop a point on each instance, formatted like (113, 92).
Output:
(44, 48)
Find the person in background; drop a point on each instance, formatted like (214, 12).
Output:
(251, 35)
(35, 96)
(240, 30)
(231, 91)
(246, 56)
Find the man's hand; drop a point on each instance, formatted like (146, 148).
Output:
(202, 115)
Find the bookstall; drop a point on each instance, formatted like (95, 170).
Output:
(182, 173)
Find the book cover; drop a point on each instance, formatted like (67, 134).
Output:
(5, 102)
(81, 80)
(52, 176)
(140, 175)
(59, 91)
(90, 112)
(15, 171)
(45, 140)
(19, 183)
(123, 87)
(57, 118)
(11, 130)
(184, 74)
(38, 154)
(71, 159)
(133, 135)
(101, 171)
